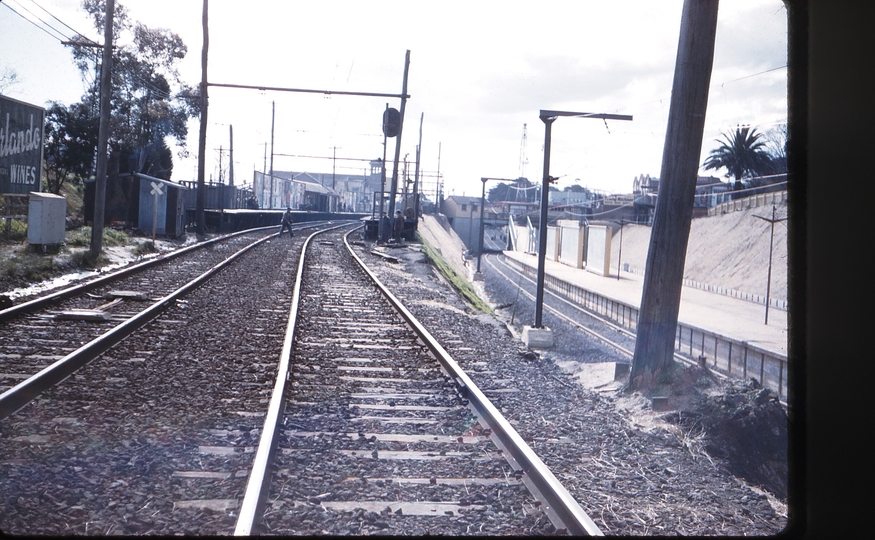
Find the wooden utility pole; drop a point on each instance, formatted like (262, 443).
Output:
(394, 187)
(416, 185)
(664, 270)
(771, 244)
(231, 156)
(272, 118)
(103, 134)
(202, 139)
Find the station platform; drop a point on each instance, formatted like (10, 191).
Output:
(736, 319)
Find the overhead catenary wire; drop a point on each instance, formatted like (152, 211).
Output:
(6, 3)
(78, 33)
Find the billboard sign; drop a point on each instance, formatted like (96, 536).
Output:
(21, 146)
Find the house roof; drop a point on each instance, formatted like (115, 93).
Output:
(462, 199)
(153, 179)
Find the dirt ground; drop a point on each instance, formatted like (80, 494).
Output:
(737, 421)
(729, 250)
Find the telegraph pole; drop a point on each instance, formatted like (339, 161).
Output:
(202, 140)
(272, 118)
(333, 165)
(771, 243)
(664, 271)
(394, 187)
(103, 134)
(416, 185)
(231, 157)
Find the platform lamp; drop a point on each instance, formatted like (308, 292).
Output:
(548, 117)
(477, 275)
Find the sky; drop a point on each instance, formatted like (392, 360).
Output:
(479, 74)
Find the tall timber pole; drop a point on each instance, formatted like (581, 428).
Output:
(416, 185)
(394, 187)
(272, 119)
(664, 270)
(231, 156)
(202, 140)
(103, 134)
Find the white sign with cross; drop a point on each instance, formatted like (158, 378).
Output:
(156, 191)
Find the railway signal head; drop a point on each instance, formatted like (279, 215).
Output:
(391, 122)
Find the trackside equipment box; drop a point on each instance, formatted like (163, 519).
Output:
(45, 218)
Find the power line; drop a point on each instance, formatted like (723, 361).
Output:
(62, 22)
(33, 23)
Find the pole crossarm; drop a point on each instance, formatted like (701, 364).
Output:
(553, 114)
(548, 117)
(308, 91)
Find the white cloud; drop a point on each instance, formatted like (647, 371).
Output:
(479, 71)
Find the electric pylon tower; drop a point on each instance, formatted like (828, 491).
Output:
(523, 159)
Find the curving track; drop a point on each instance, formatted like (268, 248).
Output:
(161, 433)
(377, 436)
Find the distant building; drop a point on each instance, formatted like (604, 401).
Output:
(463, 213)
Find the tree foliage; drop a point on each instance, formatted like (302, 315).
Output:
(150, 103)
(742, 153)
(71, 137)
(520, 191)
(776, 146)
(8, 77)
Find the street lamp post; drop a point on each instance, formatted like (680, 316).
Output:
(477, 275)
(548, 117)
(620, 255)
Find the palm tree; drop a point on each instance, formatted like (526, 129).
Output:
(742, 154)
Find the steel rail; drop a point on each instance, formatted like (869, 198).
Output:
(23, 393)
(560, 503)
(70, 292)
(258, 485)
(679, 357)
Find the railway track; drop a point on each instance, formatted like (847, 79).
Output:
(164, 432)
(618, 338)
(381, 431)
(49, 337)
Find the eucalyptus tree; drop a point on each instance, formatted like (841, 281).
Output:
(70, 140)
(150, 102)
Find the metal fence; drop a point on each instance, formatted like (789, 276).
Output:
(726, 355)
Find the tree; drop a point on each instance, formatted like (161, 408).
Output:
(150, 103)
(776, 146)
(71, 138)
(523, 191)
(743, 154)
(8, 77)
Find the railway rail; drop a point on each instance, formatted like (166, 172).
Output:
(617, 336)
(162, 431)
(373, 423)
(49, 337)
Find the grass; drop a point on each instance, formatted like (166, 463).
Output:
(460, 283)
(81, 237)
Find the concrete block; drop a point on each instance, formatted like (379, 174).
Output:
(621, 370)
(538, 338)
(478, 276)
